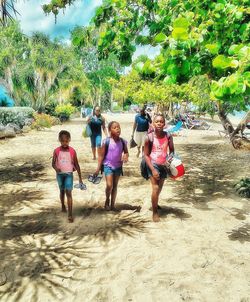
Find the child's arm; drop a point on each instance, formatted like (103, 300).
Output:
(126, 154)
(148, 161)
(171, 145)
(134, 127)
(89, 120)
(100, 159)
(54, 163)
(104, 127)
(78, 169)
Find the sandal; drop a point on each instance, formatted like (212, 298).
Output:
(95, 179)
(80, 186)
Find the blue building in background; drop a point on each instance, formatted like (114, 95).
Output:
(5, 100)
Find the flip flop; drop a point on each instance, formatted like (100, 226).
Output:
(80, 186)
(95, 179)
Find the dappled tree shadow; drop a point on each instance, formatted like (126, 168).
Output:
(47, 262)
(41, 250)
(210, 174)
(18, 198)
(241, 234)
(107, 225)
(178, 213)
(12, 172)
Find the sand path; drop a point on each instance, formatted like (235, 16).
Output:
(198, 252)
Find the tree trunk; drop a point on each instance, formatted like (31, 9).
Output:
(239, 141)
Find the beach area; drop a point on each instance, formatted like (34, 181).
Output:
(199, 251)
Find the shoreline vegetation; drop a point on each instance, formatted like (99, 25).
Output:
(202, 239)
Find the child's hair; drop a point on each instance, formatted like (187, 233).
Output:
(158, 115)
(63, 132)
(111, 124)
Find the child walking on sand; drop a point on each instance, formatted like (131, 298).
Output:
(65, 162)
(113, 154)
(158, 145)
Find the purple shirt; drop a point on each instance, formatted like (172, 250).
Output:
(113, 159)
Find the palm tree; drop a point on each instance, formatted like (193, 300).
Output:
(7, 9)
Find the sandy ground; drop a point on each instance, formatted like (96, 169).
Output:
(198, 252)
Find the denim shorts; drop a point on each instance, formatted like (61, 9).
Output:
(65, 181)
(162, 170)
(96, 140)
(112, 171)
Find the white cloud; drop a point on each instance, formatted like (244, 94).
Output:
(32, 17)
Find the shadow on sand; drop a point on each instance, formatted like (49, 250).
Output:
(11, 172)
(241, 234)
(210, 174)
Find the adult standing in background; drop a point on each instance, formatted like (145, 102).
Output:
(97, 123)
(140, 129)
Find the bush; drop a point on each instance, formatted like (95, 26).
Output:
(64, 111)
(243, 187)
(15, 115)
(43, 120)
(50, 108)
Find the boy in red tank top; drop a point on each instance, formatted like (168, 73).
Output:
(155, 152)
(65, 162)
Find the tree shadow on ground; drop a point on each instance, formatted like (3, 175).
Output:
(211, 172)
(45, 261)
(12, 172)
(18, 197)
(40, 250)
(241, 234)
(107, 225)
(178, 213)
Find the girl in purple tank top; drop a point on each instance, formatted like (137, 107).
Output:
(114, 153)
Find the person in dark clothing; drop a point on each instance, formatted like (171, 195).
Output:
(140, 129)
(97, 124)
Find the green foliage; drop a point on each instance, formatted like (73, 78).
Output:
(38, 69)
(50, 108)
(243, 187)
(99, 71)
(42, 121)
(64, 111)
(16, 115)
(195, 37)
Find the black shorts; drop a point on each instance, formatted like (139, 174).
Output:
(162, 170)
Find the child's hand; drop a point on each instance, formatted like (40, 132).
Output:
(125, 158)
(156, 174)
(96, 173)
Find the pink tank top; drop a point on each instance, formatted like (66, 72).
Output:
(64, 161)
(159, 150)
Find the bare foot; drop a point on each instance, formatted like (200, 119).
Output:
(94, 158)
(106, 206)
(70, 219)
(64, 210)
(114, 209)
(156, 217)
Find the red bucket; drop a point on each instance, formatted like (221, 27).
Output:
(178, 168)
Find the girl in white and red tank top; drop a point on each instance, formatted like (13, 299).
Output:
(157, 146)
(159, 150)
(65, 162)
